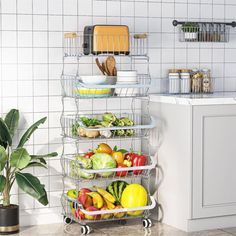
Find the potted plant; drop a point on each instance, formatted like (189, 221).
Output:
(190, 30)
(14, 162)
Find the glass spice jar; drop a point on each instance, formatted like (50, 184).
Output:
(206, 81)
(196, 81)
(174, 81)
(185, 81)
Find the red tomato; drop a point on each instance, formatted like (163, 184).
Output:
(130, 156)
(89, 154)
(121, 173)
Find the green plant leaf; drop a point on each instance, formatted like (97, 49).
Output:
(12, 121)
(52, 154)
(3, 158)
(30, 131)
(44, 199)
(41, 157)
(2, 183)
(5, 135)
(123, 151)
(42, 160)
(36, 164)
(3, 144)
(32, 186)
(20, 158)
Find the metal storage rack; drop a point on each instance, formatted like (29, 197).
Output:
(204, 31)
(137, 59)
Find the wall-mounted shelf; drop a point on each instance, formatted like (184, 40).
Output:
(190, 31)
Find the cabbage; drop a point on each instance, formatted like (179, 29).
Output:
(77, 166)
(103, 161)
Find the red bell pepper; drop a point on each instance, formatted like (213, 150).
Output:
(138, 160)
(121, 173)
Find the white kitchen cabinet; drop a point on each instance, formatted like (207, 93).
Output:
(197, 152)
(214, 160)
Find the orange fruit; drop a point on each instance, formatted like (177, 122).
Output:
(119, 157)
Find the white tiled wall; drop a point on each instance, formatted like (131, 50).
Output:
(31, 57)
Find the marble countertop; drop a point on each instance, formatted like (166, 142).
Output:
(217, 98)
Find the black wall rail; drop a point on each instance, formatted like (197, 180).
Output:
(175, 23)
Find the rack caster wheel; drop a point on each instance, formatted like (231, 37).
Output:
(85, 230)
(147, 223)
(67, 220)
(122, 222)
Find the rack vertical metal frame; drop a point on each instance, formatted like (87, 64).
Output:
(133, 95)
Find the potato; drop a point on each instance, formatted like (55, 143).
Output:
(93, 134)
(81, 132)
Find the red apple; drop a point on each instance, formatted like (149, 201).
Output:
(84, 190)
(85, 200)
(79, 214)
(92, 217)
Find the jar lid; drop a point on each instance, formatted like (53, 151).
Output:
(185, 71)
(174, 70)
(70, 35)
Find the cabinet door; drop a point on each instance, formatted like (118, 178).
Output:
(214, 161)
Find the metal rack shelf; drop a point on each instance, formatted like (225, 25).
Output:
(74, 87)
(74, 46)
(67, 202)
(72, 169)
(142, 125)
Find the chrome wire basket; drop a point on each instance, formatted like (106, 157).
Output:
(72, 207)
(138, 44)
(73, 127)
(74, 87)
(74, 169)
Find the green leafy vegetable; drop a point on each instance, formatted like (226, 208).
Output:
(90, 121)
(103, 161)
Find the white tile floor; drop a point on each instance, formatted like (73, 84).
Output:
(114, 229)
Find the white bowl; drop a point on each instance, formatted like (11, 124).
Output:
(93, 79)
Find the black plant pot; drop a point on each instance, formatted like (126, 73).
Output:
(9, 219)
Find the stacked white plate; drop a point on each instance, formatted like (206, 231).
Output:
(129, 78)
